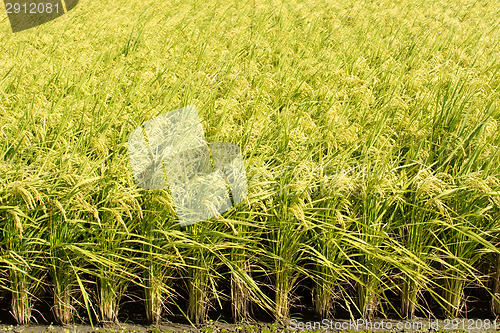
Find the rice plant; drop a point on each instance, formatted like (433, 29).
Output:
(23, 248)
(161, 257)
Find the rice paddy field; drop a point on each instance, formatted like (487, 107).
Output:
(370, 134)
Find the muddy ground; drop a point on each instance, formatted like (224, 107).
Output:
(376, 325)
